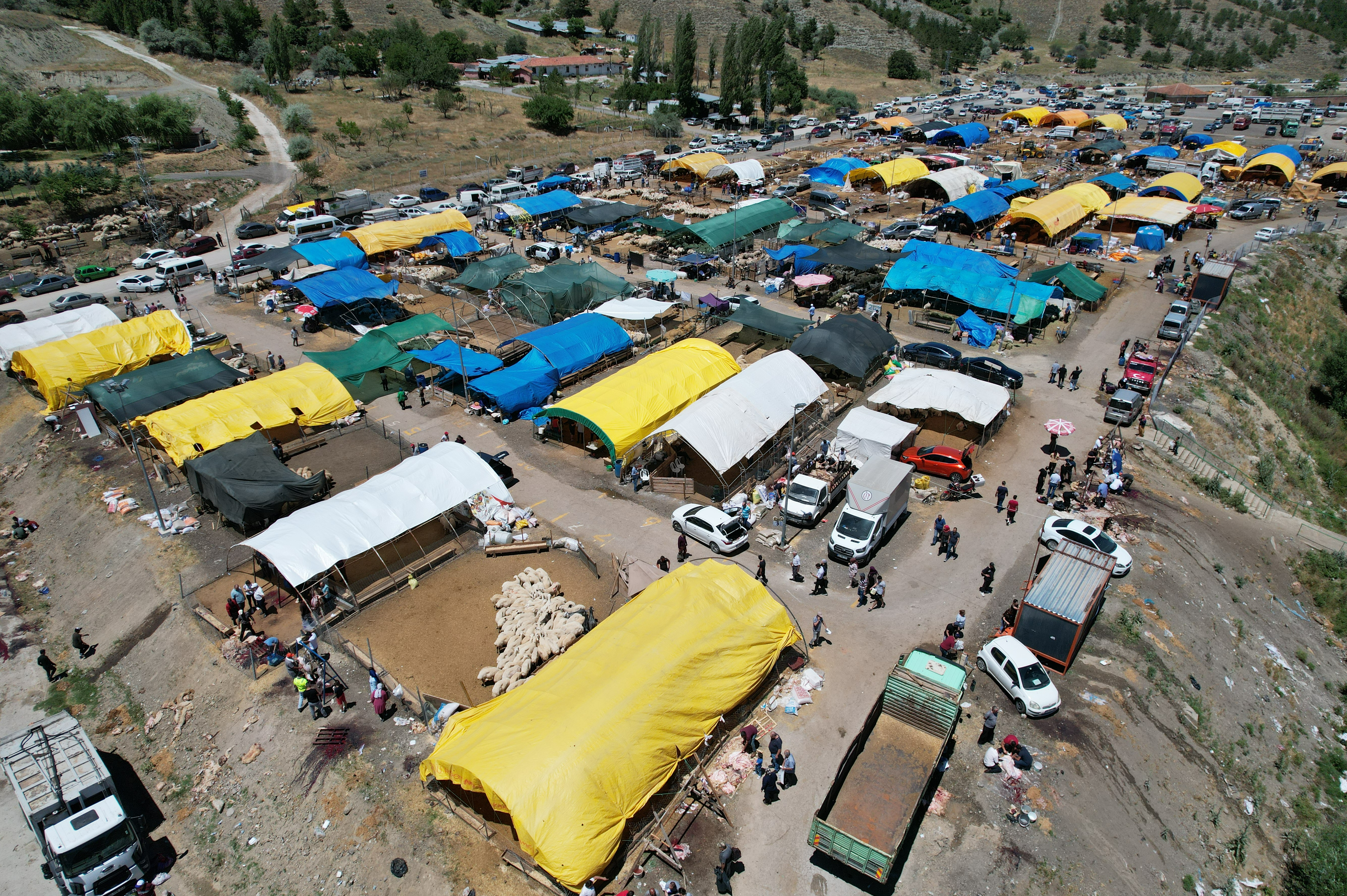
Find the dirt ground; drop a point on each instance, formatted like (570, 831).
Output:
(439, 636)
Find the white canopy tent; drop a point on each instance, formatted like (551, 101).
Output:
(865, 434)
(956, 182)
(316, 538)
(749, 171)
(633, 309)
(733, 421)
(944, 391)
(32, 333)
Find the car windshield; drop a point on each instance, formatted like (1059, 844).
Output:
(1033, 678)
(107, 844)
(853, 526)
(733, 530)
(803, 493)
(1105, 544)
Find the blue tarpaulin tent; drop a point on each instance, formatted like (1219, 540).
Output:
(922, 252)
(970, 134)
(845, 163)
(1159, 152)
(577, 342)
(791, 251)
(1197, 140)
(527, 384)
(1091, 240)
(456, 241)
(1115, 180)
(1288, 151)
(547, 203)
(984, 205)
(826, 175)
(1014, 188)
(344, 286)
(1150, 238)
(338, 253)
(555, 180)
(979, 333)
(458, 360)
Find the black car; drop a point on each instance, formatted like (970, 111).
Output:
(821, 131)
(433, 194)
(498, 466)
(785, 129)
(251, 230)
(565, 169)
(937, 354)
(673, 147)
(1148, 135)
(991, 370)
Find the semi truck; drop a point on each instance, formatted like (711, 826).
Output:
(68, 798)
(883, 784)
(1203, 171)
(876, 501)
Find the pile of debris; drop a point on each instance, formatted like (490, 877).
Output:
(536, 623)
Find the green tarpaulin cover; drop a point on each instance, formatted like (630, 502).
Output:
(1073, 280)
(489, 272)
(419, 325)
(248, 485)
(373, 351)
(668, 225)
(749, 219)
(759, 318)
(159, 386)
(561, 289)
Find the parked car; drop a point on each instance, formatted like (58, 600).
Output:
(76, 300)
(49, 283)
(696, 143)
(403, 200)
(1059, 528)
(433, 194)
(1270, 131)
(88, 272)
(498, 466)
(249, 250)
(197, 245)
(993, 371)
(253, 229)
(142, 283)
(941, 460)
(6, 297)
(736, 300)
(12, 316)
(1269, 234)
(151, 257)
(543, 252)
(1341, 200)
(820, 131)
(899, 230)
(937, 354)
(713, 527)
(672, 148)
(1019, 673)
(239, 268)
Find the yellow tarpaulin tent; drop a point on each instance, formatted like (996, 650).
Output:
(1090, 197)
(1337, 168)
(894, 173)
(390, 235)
(1151, 209)
(579, 748)
(1107, 120)
(887, 125)
(624, 408)
(699, 163)
(1055, 212)
(1229, 147)
(69, 365)
(1181, 182)
(1030, 116)
(1069, 117)
(1261, 167)
(307, 394)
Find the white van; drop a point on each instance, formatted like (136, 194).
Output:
(1062, 132)
(317, 228)
(508, 191)
(797, 121)
(182, 270)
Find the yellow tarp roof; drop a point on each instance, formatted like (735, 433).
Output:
(1032, 115)
(1055, 212)
(1090, 197)
(1069, 117)
(307, 394)
(1230, 146)
(69, 365)
(1273, 159)
(894, 173)
(699, 164)
(389, 235)
(626, 407)
(1107, 120)
(1329, 171)
(1152, 209)
(580, 747)
(1181, 182)
(1020, 202)
(890, 123)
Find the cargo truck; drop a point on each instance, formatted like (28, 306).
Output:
(809, 497)
(883, 785)
(349, 205)
(876, 501)
(67, 796)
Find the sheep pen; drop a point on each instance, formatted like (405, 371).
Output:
(536, 623)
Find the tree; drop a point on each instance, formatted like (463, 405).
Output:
(298, 119)
(300, 147)
(310, 174)
(548, 24)
(1328, 82)
(394, 83)
(1131, 39)
(73, 185)
(277, 62)
(341, 19)
(553, 114)
(903, 66)
(575, 28)
(643, 60)
(685, 63)
(711, 64)
(665, 124)
(552, 84)
(244, 134)
(353, 133)
(1015, 36)
(501, 74)
(730, 80)
(608, 20)
(329, 63)
(446, 101)
(1086, 63)
(408, 109)
(573, 9)
(1319, 864)
(515, 45)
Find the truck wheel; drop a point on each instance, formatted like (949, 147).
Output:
(1020, 708)
(982, 665)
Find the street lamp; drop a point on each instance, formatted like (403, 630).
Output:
(119, 387)
(790, 468)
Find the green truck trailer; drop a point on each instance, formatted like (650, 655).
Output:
(881, 788)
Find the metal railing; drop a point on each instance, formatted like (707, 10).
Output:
(1321, 538)
(1222, 467)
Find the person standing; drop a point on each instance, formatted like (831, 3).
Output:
(1052, 377)
(938, 528)
(271, 360)
(788, 778)
(943, 538)
(988, 734)
(1069, 470)
(1001, 492)
(1103, 380)
(1075, 378)
(294, 336)
(888, 321)
(774, 749)
(1061, 377)
(77, 642)
(47, 665)
(877, 593)
(811, 312)
(683, 549)
(819, 629)
(952, 551)
(770, 793)
(853, 572)
(820, 579)
(988, 575)
(762, 570)
(402, 399)
(1012, 507)
(1141, 426)
(1042, 475)
(1053, 481)
(795, 568)
(421, 393)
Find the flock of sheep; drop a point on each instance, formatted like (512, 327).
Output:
(536, 623)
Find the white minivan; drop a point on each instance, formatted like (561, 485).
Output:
(182, 270)
(508, 191)
(317, 228)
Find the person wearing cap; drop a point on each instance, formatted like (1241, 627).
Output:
(77, 642)
(143, 888)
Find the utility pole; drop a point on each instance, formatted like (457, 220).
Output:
(790, 470)
(151, 205)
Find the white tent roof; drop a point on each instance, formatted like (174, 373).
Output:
(923, 389)
(633, 309)
(735, 419)
(865, 434)
(32, 333)
(312, 540)
(956, 182)
(749, 171)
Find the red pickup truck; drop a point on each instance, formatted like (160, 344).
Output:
(1139, 374)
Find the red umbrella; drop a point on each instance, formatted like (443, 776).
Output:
(306, 309)
(1205, 209)
(1060, 427)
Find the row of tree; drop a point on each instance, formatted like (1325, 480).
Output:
(89, 120)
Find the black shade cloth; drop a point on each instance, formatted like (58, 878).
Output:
(853, 344)
(163, 385)
(607, 213)
(248, 484)
(852, 254)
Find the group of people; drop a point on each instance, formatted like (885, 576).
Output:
(46, 664)
(21, 528)
(1010, 757)
(777, 772)
(947, 537)
(869, 587)
(1060, 377)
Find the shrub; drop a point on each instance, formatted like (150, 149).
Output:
(1319, 866)
(298, 119)
(300, 147)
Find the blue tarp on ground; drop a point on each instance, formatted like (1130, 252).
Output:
(1197, 140)
(845, 163)
(524, 385)
(456, 241)
(344, 286)
(457, 359)
(979, 333)
(922, 252)
(1289, 151)
(826, 175)
(970, 134)
(339, 253)
(1150, 238)
(983, 205)
(1115, 180)
(1014, 188)
(578, 342)
(547, 203)
(1159, 152)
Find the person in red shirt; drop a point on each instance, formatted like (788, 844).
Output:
(1011, 508)
(947, 647)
